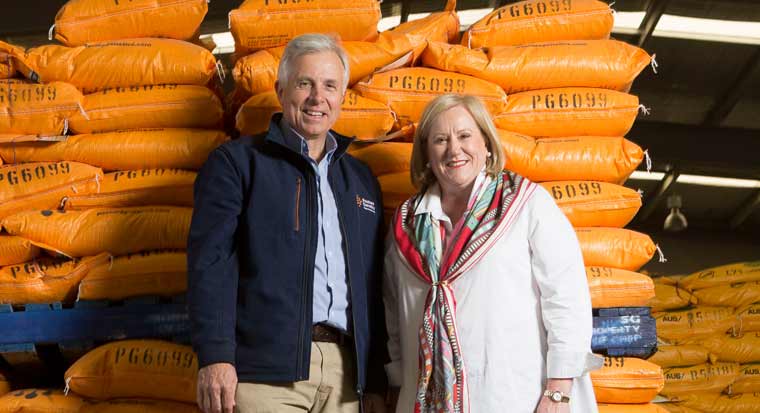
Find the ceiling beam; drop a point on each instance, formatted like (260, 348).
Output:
(725, 104)
(745, 211)
(654, 10)
(651, 202)
(406, 9)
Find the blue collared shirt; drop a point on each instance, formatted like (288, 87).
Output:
(331, 299)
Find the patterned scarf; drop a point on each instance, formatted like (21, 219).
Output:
(441, 385)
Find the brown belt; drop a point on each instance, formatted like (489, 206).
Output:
(329, 334)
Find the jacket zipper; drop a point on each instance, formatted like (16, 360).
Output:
(359, 390)
(298, 203)
(304, 297)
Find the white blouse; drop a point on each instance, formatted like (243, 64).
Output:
(523, 314)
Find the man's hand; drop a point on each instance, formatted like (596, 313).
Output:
(374, 403)
(216, 388)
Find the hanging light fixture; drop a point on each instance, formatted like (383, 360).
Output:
(676, 220)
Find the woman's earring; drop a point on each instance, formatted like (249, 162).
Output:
(488, 154)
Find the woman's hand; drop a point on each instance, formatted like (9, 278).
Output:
(548, 406)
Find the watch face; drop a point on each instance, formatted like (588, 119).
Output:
(556, 396)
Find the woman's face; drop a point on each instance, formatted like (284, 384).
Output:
(456, 150)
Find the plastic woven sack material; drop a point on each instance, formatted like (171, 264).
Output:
(670, 297)
(627, 380)
(45, 281)
(120, 63)
(606, 64)
(262, 24)
(615, 247)
(748, 318)
(42, 185)
(588, 158)
(701, 378)
(536, 21)
(631, 408)
(7, 62)
(136, 188)
(408, 90)
(157, 273)
(136, 369)
(679, 355)
(359, 117)
(386, 157)
(121, 150)
(36, 109)
(743, 348)
(119, 231)
(721, 275)
(16, 250)
(748, 380)
(718, 403)
(162, 106)
(689, 326)
(613, 287)
(83, 21)
(570, 111)
(730, 295)
(396, 188)
(39, 401)
(595, 204)
(137, 406)
(676, 408)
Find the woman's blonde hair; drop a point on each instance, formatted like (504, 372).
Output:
(422, 175)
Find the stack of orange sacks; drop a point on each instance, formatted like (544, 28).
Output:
(708, 326)
(100, 146)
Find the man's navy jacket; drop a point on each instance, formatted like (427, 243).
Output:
(251, 250)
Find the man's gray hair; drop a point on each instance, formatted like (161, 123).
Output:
(307, 44)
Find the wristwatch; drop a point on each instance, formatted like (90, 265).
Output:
(557, 396)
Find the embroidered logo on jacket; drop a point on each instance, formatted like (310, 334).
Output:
(365, 204)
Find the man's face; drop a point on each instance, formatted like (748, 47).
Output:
(312, 96)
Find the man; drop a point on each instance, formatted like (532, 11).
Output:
(284, 257)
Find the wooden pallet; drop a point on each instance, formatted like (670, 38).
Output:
(624, 332)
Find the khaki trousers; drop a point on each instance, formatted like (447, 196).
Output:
(330, 388)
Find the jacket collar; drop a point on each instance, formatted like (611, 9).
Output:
(275, 135)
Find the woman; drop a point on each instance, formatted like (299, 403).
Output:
(486, 298)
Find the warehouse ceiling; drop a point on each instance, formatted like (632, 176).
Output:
(704, 101)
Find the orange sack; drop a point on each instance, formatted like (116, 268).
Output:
(744, 348)
(16, 250)
(670, 297)
(136, 368)
(43, 185)
(162, 273)
(45, 281)
(138, 406)
(161, 106)
(396, 188)
(257, 72)
(748, 380)
(119, 231)
(588, 158)
(613, 287)
(5, 387)
(122, 63)
(571, 111)
(721, 403)
(82, 21)
(615, 247)
(261, 24)
(359, 116)
(748, 318)
(724, 274)
(679, 355)
(632, 408)
(40, 401)
(606, 64)
(7, 65)
(627, 380)
(730, 295)
(408, 90)
(702, 378)
(386, 157)
(38, 109)
(595, 204)
(535, 21)
(688, 326)
(136, 188)
(122, 150)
